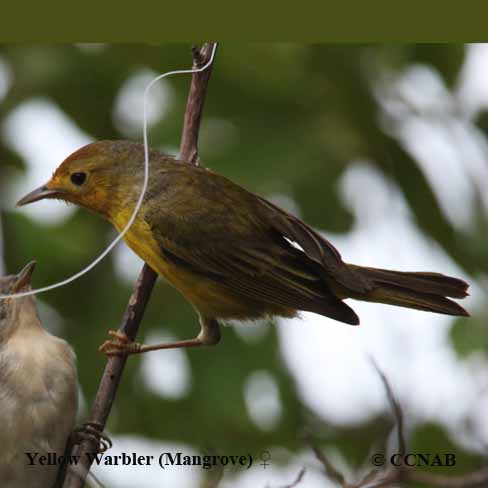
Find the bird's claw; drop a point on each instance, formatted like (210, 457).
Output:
(119, 346)
(92, 431)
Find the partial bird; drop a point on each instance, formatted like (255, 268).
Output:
(38, 390)
(231, 253)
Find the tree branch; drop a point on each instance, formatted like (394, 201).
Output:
(477, 478)
(194, 106)
(412, 476)
(331, 472)
(391, 476)
(114, 369)
(395, 407)
(298, 479)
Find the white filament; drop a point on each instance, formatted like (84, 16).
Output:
(143, 190)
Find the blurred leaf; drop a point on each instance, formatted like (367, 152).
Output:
(433, 439)
(482, 121)
(445, 58)
(469, 336)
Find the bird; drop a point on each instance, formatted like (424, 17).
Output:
(38, 390)
(231, 253)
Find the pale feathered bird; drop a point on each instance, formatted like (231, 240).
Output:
(38, 389)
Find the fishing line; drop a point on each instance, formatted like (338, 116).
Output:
(143, 190)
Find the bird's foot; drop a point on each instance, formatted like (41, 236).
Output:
(119, 346)
(92, 431)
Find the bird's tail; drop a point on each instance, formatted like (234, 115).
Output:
(422, 291)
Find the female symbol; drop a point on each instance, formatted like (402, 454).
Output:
(265, 456)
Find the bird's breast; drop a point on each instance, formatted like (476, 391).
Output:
(140, 239)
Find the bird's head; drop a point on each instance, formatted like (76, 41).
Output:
(99, 176)
(14, 310)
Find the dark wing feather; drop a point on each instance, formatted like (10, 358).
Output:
(248, 271)
(224, 236)
(316, 247)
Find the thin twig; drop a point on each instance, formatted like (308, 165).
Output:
(395, 406)
(330, 470)
(368, 477)
(387, 477)
(114, 369)
(412, 476)
(477, 478)
(298, 479)
(391, 476)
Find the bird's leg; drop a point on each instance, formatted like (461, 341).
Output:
(93, 432)
(208, 336)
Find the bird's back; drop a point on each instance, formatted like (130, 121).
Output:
(38, 399)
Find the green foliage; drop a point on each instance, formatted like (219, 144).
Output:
(431, 438)
(468, 338)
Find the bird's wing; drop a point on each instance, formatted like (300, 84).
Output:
(317, 248)
(240, 250)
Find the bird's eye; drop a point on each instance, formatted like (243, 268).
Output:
(78, 178)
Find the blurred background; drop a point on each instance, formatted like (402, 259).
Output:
(383, 148)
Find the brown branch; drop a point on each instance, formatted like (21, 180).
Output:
(374, 478)
(386, 478)
(298, 479)
(395, 406)
(392, 476)
(368, 478)
(194, 106)
(389, 476)
(330, 470)
(469, 480)
(114, 369)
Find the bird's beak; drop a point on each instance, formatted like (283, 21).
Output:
(24, 278)
(39, 194)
